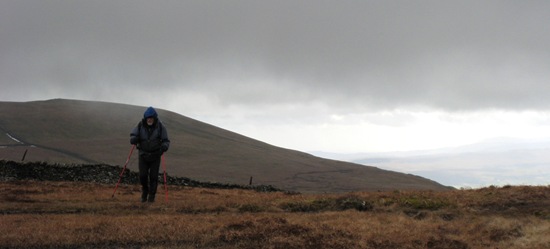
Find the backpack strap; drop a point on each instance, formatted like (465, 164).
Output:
(160, 130)
(139, 127)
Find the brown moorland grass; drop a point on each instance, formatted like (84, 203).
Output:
(83, 215)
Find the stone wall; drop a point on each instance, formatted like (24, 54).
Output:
(101, 173)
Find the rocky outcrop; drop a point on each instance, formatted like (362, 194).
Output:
(101, 173)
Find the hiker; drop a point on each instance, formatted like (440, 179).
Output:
(151, 139)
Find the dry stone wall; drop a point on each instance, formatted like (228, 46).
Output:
(101, 173)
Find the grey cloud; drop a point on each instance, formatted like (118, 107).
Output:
(354, 54)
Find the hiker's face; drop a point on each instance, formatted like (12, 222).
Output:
(150, 121)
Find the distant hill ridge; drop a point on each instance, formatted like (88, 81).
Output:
(75, 131)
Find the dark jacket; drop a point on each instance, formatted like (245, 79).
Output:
(150, 140)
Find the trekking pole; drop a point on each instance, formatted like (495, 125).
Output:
(122, 173)
(165, 187)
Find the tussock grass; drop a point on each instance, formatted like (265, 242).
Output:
(83, 215)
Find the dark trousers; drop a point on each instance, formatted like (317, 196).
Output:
(148, 174)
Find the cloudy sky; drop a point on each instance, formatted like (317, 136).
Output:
(336, 76)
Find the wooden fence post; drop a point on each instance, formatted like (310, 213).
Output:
(24, 155)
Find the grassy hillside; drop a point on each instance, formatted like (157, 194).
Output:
(83, 215)
(72, 131)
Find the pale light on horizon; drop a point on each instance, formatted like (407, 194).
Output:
(416, 131)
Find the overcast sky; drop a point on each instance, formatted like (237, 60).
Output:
(338, 76)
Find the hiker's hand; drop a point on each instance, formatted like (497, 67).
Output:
(134, 140)
(164, 147)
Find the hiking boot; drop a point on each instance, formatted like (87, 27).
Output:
(151, 198)
(144, 197)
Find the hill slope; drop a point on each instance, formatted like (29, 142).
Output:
(73, 131)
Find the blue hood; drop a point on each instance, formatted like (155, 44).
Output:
(150, 113)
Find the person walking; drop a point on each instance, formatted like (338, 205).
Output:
(151, 139)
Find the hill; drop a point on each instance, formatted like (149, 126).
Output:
(74, 131)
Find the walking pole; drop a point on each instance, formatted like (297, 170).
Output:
(122, 173)
(165, 187)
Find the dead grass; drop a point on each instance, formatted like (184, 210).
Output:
(83, 215)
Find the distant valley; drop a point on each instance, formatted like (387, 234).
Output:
(499, 161)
